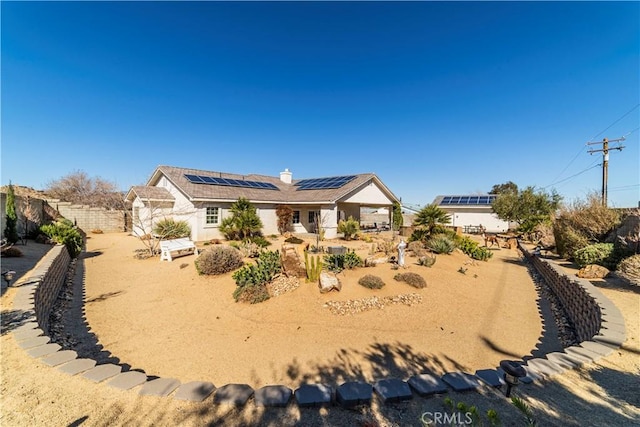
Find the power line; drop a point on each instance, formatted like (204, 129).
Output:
(612, 124)
(592, 138)
(573, 176)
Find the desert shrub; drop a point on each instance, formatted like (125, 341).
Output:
(349, 228)
(480, 253)
(470, 247)
(293, 239)
(244, 221)
(97, 231)
(441, 244)
(251, 280)
(582, 223)
(427, 260)
(415, 246)
(260, 241)
(419, 235)
(169, 228)
(219, 260)
(11, 253)
(251, 294)
(338, 262)
(370, 281)
(248, 249)
(599, 253)
(64, 232)
(386, 246)
(630, 266)
(412, 279)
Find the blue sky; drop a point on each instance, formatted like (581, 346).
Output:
(433, 97)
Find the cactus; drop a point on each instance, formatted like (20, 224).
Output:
(313, 265)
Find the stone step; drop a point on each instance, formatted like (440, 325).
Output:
(77, 366)
(354, 393)
(461, 381)
(102, 372)
(233, 394)
(43, 350)
(273, 396)
(427, 385)
(159, 387)
(392, 390)
(60, 357)
(194, 391)
(313, 395)
(127, 380)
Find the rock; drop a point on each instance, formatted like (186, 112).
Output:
(291, 263)
(593, 271)
(329, 282)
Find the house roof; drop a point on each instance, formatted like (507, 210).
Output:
(284, 193)
(149, 193)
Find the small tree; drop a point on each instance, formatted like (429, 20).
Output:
(528, 208)
(11, 230)
(430, 216)
(285, 215)
(397, 216)
(244, 221)
(79, 188)
(508, 187)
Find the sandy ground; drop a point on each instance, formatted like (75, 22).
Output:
(165, 319)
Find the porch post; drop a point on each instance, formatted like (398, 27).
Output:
(329, 218)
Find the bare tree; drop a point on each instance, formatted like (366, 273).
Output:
(145, 218)
(79, 188)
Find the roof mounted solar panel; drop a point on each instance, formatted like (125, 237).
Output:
(214, 180)
(324, 183)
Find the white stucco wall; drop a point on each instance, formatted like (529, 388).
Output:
(370, 195)
(490, 221)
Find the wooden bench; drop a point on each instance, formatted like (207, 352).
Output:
(176, 247)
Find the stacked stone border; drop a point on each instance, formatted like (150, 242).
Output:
(598, 322)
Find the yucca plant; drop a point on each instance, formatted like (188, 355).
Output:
(441, 244)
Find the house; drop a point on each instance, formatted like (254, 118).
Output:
(472, 210)
(203, 199)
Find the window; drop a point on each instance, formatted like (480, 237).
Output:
(296, 217)
(312, 217)
(213, 216)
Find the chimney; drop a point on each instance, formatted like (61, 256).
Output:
(285, 176)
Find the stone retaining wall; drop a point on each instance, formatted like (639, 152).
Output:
(599, 323)
(50, 276)
(575, 295)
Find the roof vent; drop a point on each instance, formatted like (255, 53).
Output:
(286, 176)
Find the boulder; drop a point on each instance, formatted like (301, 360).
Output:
(292, 265)
(593, 271)
(329, 282)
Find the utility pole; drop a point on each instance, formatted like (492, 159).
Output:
(605, 162)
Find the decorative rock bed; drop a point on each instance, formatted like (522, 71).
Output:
(598, 324)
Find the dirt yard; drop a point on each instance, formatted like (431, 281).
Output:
(165, 319)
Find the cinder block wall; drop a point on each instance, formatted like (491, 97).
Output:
(88, 218)
(51, 271)
(575, 295)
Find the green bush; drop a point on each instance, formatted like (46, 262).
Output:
(370, 281)
(349, 228)
(480, 253)
(11, 253)
(219, 260)
(11, 218)
(419, 235)
(338, 262)
(599, 253)
(470, 247)
(251, 294)
(412, 279)
(64, 232)
(441, 244)
(294, 240)
(251, 280)
(169, 228)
